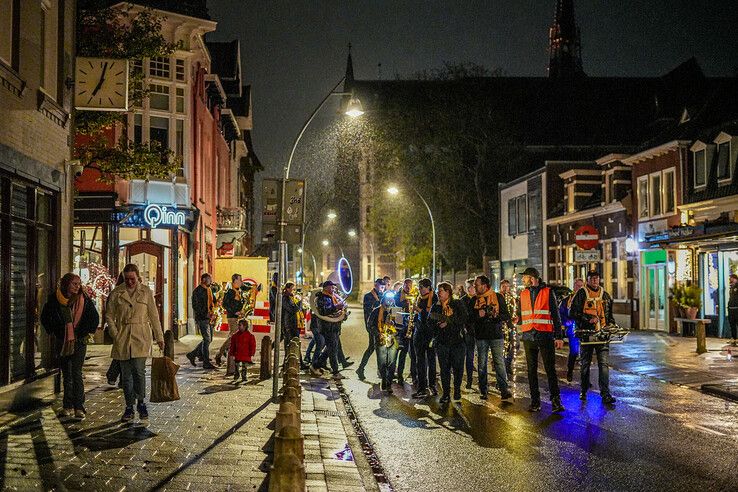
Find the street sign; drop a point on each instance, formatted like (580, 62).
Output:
(294, 203)
(292, 233)
(587, 237)
(586, 256)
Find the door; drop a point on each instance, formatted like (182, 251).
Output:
(655, 298)
(149, 258)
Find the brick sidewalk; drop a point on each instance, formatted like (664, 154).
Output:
(218, 436)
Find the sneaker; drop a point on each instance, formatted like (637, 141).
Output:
(191, 358)
(235, 376)
(569, 376)
(66, 412)
(583, 395)
(506, 395)
(209, 366)
(360, 374)
(316, 373)
(338, 375)
(218, 360)
(127, 415)
(347, 364)
(469, 385)
(420, 394)
(244, 379)
(444, 399)
(457, 395)
(608, 399)
(535, 406)
(80, 414)
(143, 412)
(112, 382)
(556, 406)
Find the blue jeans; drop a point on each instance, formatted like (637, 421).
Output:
(319, 343)
(330, 353)
(603, 353)
(386, 357)
(203, 348)
(573, 348)
(497, 347)
(71, 368)
(369, 350)
(133, 373)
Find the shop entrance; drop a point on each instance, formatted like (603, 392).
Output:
(655, 298)
(148, 256)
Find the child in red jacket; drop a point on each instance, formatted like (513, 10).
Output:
(243, 348)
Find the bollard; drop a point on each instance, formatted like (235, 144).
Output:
(293, 361)
(294, 383)
(287, 474)
(291, 372)
(292, 395)
(294, 347)
(699, 333)
(265, 364)
(287, 415)
(289, 440)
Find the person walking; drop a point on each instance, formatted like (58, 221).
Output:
(203, 305)
(372, 300)
(733, 308)
(242, 348)
(406, 302)
(113, 372)
(290, 309)
(383, 326)
(70, 317)
(425, 353)
(489, 315)
(448, 319)
(133, 322)
(541, 334)
(470, 344)
(233, 302)
(328, 306)
(570, 326)
(591, 309)
(512, 344)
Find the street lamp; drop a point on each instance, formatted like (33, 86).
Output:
(353, 110)
(326, 242)
(394, 190)
(332, 215)
(352, 233)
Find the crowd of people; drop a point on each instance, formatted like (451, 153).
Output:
(451, 329)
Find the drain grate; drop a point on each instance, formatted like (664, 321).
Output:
(330, 413)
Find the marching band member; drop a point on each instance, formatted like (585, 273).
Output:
(383, 325)
(233, 302)
(372, 300)
(591, 309)
(569, 323)
(512, 344)
(469, 342)
(291, 310)
(405, 299)
(448, 317)
(489, 316)
(541, 327)
(328, 304)
(425, 353)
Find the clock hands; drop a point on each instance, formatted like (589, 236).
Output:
(102, 79)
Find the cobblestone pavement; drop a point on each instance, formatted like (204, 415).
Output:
(218, 436)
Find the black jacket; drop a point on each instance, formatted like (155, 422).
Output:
(453, 333)
(370, 303)
(564, 314)
(326, 307)
(576, 312)
(290, 308)
(372, 323)
(231, 304)
(421, 325)
(52, 318)
(485, 327)
(733, 297)
(200, 303)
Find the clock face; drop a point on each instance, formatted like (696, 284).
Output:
(101, 84)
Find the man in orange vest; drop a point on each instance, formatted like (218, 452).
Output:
(591, 309)
(541, 333)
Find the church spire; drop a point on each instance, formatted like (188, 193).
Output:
(565, 49)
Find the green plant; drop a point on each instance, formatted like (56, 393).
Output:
(687, 296)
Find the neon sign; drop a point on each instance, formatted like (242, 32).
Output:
(156, 215)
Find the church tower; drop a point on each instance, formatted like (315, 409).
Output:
(565, 48)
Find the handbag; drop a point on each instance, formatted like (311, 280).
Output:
(163, 380)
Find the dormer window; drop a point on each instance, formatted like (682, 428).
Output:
(724, 161)
(700, 167)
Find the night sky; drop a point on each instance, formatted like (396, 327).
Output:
(293, 52)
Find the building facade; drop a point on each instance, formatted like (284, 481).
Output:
(36, 60)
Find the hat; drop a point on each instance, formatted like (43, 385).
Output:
(328, 283)
(532, 272)
(593, 273)
(380, 280)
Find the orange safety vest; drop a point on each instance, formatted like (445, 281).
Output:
(536, 317)
(595, 305)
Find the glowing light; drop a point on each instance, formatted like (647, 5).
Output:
(393, 190)
(352, 233)
(299, 250)
(354, 108)
(631, 245)
(332, 215)
(326, 242)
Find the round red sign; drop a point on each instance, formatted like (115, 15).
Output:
(587, 237)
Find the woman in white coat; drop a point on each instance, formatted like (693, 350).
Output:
(133, 323)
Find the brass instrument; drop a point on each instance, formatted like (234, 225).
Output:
(411, 298)
(610, 333)
(335, 318)
(387, 333)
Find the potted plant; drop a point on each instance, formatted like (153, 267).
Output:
(677, 301)
(691, 300)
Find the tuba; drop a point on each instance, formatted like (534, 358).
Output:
(335, 318)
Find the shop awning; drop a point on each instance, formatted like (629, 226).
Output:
(693, 234)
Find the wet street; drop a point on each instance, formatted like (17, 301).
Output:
(658, 436)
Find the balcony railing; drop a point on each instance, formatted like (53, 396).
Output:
(231, 219)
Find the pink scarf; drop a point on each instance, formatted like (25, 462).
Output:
(69, 337)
